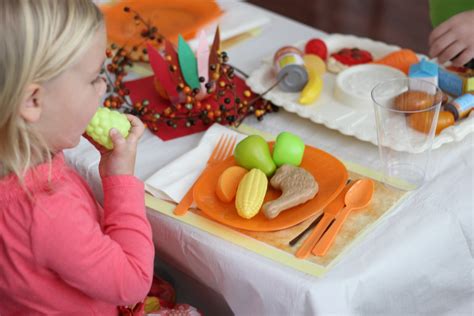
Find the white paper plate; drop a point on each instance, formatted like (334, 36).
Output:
(354, 85)
(346, 118)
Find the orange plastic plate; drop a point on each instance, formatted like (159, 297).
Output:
(171, 17)
(328, 171)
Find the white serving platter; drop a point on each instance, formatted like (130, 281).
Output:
(349, 119)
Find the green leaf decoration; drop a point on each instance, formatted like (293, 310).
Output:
(187, 63)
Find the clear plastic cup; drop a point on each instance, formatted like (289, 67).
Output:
(406, 115)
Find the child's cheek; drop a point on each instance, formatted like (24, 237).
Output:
(101, 87)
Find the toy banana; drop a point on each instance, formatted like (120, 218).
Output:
(316, 69)
(315, 62)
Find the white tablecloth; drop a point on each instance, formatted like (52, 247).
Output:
(419, 260)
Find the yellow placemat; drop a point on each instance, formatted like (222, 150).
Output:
(275, 245)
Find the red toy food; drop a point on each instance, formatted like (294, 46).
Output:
(347, 57)
(316, 47)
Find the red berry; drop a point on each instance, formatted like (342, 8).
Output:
(316, 47)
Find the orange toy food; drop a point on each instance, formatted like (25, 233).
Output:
(400, 59)
(228, 183)
(414, 100)
(422, 121)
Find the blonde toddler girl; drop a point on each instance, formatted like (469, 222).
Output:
(60, 252)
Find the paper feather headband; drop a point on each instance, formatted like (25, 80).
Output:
(189, 88)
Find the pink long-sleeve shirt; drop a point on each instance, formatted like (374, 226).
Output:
(60, 254)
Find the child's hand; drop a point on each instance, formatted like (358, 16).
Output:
(121, 159)
(453, 39)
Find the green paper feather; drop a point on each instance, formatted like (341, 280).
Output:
(188, 63)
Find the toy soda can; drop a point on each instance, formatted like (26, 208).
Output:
(289, 66)
(460, 107)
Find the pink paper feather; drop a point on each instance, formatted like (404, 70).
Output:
(202, 55)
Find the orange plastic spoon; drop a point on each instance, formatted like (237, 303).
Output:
(358, 196)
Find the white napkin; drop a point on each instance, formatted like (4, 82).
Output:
(173, 180)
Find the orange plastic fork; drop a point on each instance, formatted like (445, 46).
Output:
(222, 150)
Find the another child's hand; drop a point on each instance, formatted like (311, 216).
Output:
(453, 39)
(121, 159)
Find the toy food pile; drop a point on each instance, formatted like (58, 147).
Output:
(299, 72)
(457, 85)
(351, 56)
(302, 72)
(418, 100)
(248, 181)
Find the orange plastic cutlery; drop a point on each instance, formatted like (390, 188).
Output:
(329, 214)
(357, 197)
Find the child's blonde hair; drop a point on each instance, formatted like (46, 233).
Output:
(39, 39)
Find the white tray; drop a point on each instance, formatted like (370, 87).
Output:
(349, 120)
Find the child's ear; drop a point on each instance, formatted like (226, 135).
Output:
(30, 108)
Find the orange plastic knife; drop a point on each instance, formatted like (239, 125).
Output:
(329, 213)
